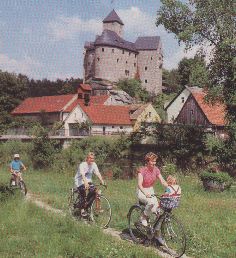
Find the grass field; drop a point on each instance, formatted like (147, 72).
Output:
(209, 218)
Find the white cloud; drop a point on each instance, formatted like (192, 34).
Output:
(138, 22)
(68, 27)
(25, 66)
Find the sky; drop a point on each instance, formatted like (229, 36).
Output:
(45, 38)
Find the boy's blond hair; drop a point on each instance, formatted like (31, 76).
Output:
(171, 180)
(90, 154)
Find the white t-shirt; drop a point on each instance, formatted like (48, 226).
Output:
(87, 170)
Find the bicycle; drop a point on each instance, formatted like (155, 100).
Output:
(17, 181)
(98, 212)
(164, 225)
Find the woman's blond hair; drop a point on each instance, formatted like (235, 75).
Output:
(150, 156)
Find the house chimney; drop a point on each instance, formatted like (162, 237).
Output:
(86, 99)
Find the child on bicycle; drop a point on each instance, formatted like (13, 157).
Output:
(173, 189)
(15, 167)
(147, 177)
(83, 181)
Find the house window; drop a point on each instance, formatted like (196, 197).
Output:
(123, 51)
(117, 60)
(182, 99)
(150, 114)
(191, 112)
(145, 68)
(145, 81)
(121, 127)
(113, 126)
(112, 50)
(134, 64)
(102, 49)
(80, 95)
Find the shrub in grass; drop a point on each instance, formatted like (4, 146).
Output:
(216, 181)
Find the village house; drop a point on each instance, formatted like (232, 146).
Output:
(189, 107)
(85, 114)
(110, 57)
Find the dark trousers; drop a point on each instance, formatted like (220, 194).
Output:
(86, 201)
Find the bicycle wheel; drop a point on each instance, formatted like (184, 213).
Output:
(22, 186)
(100, 212)
(136, 230)
(174, 236)
(71, 201)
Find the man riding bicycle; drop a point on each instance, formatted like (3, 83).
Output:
(83, 181)
(15, 168)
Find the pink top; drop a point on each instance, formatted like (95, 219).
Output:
(149, 176)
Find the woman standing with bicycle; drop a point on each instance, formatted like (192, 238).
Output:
(147, 177)
(83, 181)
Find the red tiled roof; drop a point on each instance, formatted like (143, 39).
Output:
(85, 86)
(94, 100)
(112, 115)
(46, 103)
(214, 113)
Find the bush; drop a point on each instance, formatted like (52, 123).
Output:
(220, 177)
(169, 169)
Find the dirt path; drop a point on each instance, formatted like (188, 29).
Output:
(110, 231)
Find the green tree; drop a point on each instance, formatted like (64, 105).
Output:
(133, 88)
(213, 23)
(171, 80)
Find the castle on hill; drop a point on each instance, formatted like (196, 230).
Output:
(111, 58)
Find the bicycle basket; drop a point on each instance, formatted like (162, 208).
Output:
(169, 202)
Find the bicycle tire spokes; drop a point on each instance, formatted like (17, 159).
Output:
(173, 233)
(100, 212)
(136, 229)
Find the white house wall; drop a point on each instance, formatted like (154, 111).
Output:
(109, 129)
(76, 116)
(176, 106)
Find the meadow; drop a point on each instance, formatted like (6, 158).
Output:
(209, 220)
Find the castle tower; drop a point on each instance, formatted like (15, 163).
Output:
(114, 23)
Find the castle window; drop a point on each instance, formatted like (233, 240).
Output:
(112, 50)
(123, 51)
(145, 81)
(98, 59)
(126, 62)
(129, 53)
(145, 68)
(117, 60)
(160, 66)
(134, 64)
(135, 55)
(127, 72)
(102, 49)
(151, 57)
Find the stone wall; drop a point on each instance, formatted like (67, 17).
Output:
(150, 70)
(114, 26)
(114, 63)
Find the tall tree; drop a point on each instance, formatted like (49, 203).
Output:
(213, 23)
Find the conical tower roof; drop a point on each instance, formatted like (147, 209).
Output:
(113, 17)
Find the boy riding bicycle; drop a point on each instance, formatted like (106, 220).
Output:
(83, 181)
(15, 168)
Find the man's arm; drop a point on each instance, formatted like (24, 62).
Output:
(98, 174)
(163, 181)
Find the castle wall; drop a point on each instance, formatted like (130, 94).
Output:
(150, 70)
(113, 63)
(89, 64)
(114, 26)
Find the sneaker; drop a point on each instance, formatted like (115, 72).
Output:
(143, 222)
(83, 213)
(160, 240)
